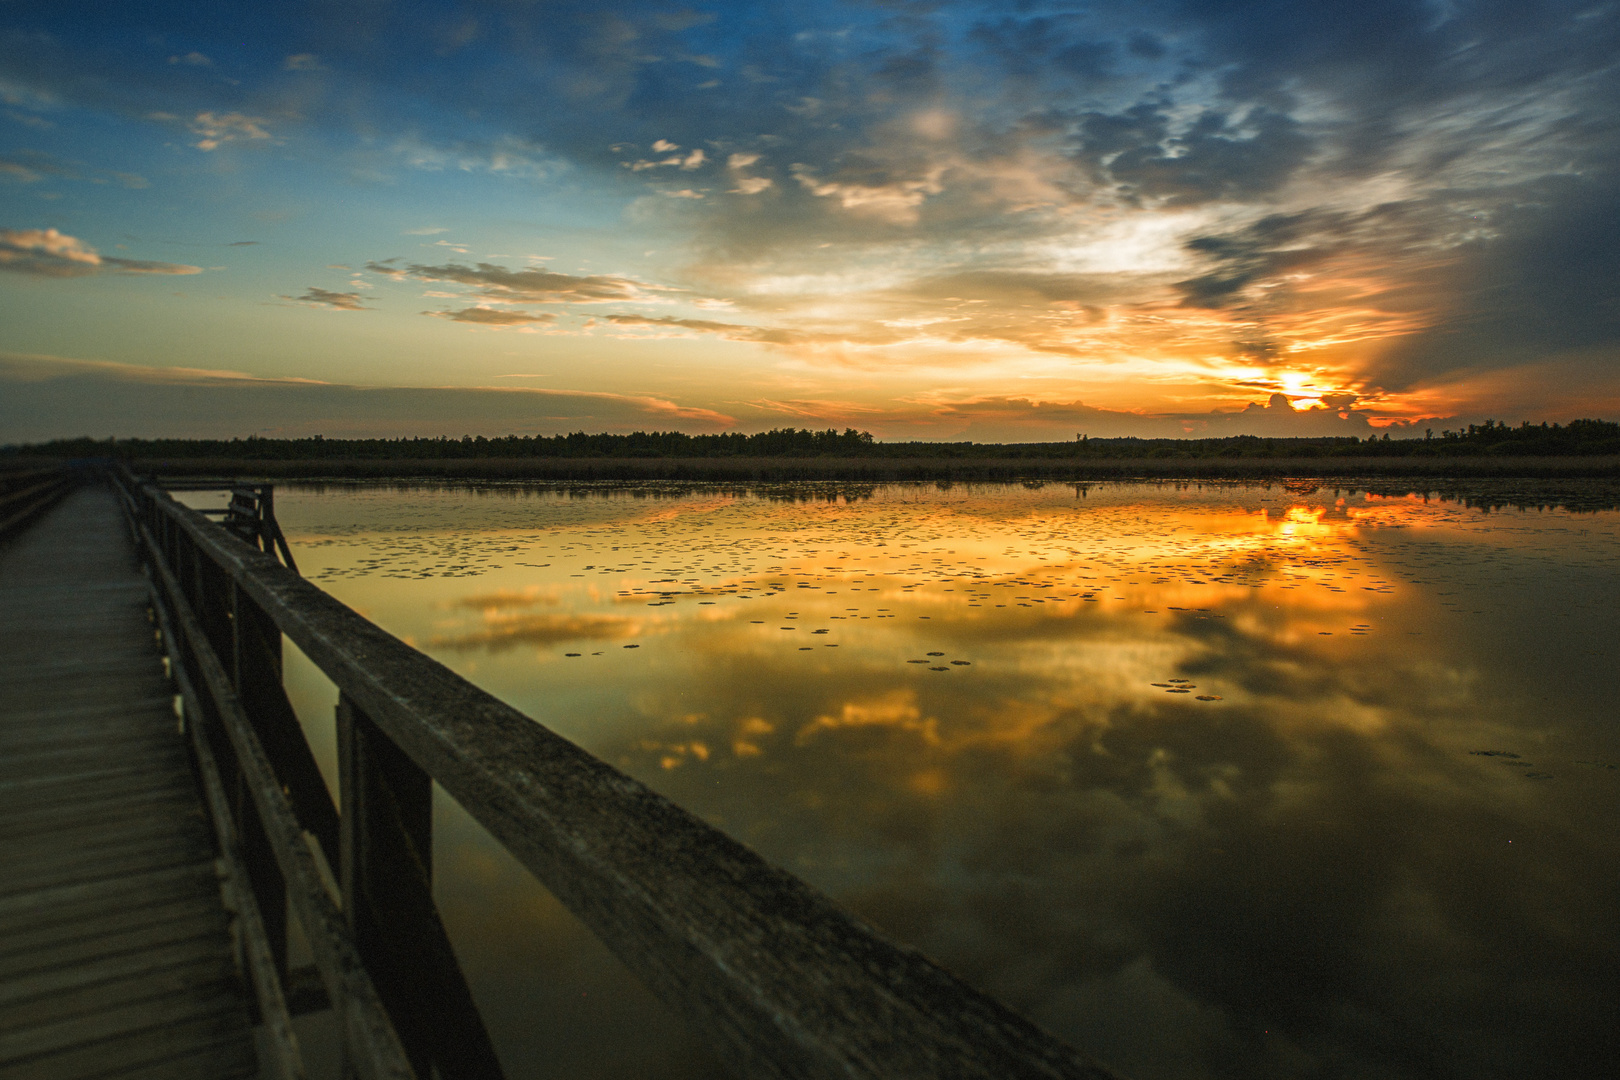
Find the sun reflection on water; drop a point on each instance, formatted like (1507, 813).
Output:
(1209, 780)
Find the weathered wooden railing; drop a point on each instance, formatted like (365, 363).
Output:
(781, 981)
(251, 514)
(27, 493)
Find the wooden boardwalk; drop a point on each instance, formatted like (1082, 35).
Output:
(115, 950)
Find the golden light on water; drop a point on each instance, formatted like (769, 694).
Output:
(1008, 722)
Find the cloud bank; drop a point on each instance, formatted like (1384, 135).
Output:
(52, 397)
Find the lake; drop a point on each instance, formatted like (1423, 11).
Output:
(1210, 780)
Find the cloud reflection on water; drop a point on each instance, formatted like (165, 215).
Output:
(1311, 875)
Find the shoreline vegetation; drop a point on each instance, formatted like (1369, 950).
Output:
(1587, 449)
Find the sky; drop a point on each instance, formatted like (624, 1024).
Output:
(950, 220)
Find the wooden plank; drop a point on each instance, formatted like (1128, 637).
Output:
(95, 774)
(87, 687)
(91, 837)
(87, 947)
(155, 892)
(106, 968)
(109, 731)
(52, 716)
(61, 868)
(208, 1062)
(88, 783)
(85, 814)
(20, 946)
(116, 956)
(119, 1018)
(93, 800)
(24, 790)
(153, 1047)
(113, 890)
(88, 752)
(136, 755)
(204, 976)
(99, 670)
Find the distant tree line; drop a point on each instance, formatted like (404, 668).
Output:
(1578, 437)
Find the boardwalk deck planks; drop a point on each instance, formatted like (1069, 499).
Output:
(115, 951)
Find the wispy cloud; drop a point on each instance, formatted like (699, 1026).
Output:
(217, 129)
(507, 155)
(529, 285)
(48, 253)
(729, 331)
(33, 166)
(337, 301)
(493, 317)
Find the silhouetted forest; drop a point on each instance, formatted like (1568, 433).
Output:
(1578, 437)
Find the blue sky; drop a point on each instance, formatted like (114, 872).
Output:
(947, 220)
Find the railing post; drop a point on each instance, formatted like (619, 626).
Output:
(256, 670)
(386, 826)
(387, 879)
(267, 517)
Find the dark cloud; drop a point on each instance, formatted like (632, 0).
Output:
(50, 397)
(1029, 47)
(1389, 54)
(913, 71)
(1540, 287)
(1258, 254)
(1145, 45)
(1497, 279)
(1009, 420)
(1218, 156)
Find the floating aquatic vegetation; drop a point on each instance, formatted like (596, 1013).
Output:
(1241, 838)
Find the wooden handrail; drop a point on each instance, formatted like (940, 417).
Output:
(782, 981)
(23, 496)
(368, 1031)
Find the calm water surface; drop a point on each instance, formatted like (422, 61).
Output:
(1211, 781)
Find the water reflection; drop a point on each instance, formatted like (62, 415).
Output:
(1211, 781)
